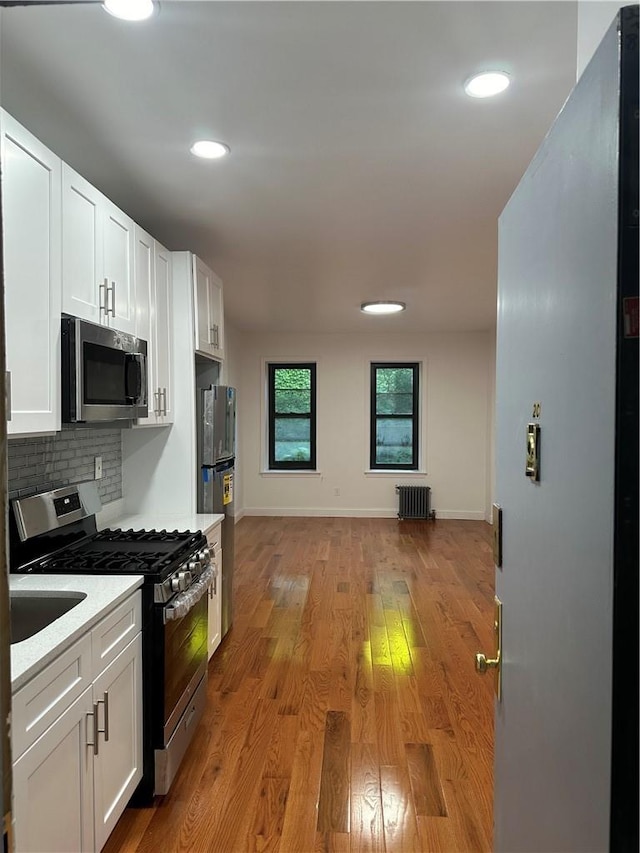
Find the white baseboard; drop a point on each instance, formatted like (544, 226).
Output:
(309, 512)
(239, 514)
(460, 514)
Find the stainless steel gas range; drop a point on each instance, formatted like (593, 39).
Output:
(56, 533)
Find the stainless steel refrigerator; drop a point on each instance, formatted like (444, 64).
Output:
(216, 419)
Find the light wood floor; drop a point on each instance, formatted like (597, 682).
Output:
(344, 711)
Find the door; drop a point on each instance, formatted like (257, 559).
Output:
(163, 332)
(31, 200)
(202, 279)
(209, 310)
(215, 606)
(119, 241)
(556, 369)
(118, 766)
(53, 786)
(84, 288)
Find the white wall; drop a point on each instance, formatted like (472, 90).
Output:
(456, 385)
(594, 19)
(231, 375)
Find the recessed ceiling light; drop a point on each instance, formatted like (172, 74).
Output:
(209, 150)
(382, 307)
(129, 10)
(487, 84)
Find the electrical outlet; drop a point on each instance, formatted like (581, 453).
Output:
(97, 468)
(336, 492)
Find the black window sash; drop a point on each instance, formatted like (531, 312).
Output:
(274, 416)
(373, 463)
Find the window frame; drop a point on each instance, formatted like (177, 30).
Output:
(415, 417)
(295, 465)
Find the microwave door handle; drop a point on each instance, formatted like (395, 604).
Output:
(140, 391)
(142, 361)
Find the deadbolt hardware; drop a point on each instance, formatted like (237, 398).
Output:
(532, 469)
(483, 663)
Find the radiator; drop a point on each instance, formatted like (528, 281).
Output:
(414, 502)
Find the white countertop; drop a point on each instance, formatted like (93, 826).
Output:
(165, 521)
(103, 594)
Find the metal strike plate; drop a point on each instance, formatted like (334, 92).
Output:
(497, 535)
(533, 452)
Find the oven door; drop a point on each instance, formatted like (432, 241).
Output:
(185, 661)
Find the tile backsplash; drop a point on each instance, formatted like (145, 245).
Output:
(49, 462)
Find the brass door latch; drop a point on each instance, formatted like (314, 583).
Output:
(483, 663)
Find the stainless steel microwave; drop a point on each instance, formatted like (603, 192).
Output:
(104, 373)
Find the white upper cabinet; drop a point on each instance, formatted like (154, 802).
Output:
(163, 327)
(118, 267)
(97, 256)
(209, 311)
(32, 271)
(153, 324)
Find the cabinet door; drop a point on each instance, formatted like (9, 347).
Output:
(163, 332)
(118, 765)
(31, 187)
(216, 316)
(53, 786)
(202, 285)
(118, 231)
(214, 541)
(84, 286)
(144, 272)
(208, 310)
(215, 608)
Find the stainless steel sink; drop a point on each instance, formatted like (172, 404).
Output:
(33, 611)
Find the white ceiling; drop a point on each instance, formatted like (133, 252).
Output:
(359, 168)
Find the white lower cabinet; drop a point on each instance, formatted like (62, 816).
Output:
(215, 591)
(117, 696)
(53, 786)
(74, 780)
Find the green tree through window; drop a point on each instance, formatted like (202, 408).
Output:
(394, 416)
(292, 416)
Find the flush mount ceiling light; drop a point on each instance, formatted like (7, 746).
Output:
(209, 150)
(382, 307)
(129, 10)
(487, 84)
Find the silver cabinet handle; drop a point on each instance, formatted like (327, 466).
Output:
(104, 701)
(94, 714)
(104, 289)
(7, 391)
(164, 401)
(156, 399)
(112, 310)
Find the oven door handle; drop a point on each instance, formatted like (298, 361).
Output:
(179, 606)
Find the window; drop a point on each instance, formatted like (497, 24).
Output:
(292, 416)
(394, 416)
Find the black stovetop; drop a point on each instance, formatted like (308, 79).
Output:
(148, 552)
